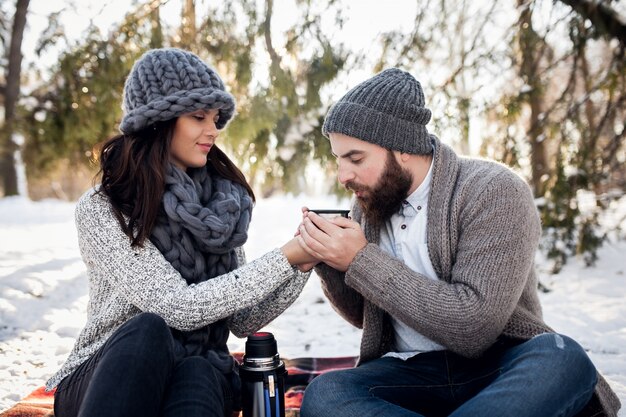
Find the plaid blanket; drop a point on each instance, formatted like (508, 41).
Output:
(301, 371)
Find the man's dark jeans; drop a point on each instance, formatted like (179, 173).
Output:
(549, 375)
(136, 373)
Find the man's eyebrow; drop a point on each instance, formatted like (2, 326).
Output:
(349, 154)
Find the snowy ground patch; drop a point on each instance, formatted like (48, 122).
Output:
(43, 296)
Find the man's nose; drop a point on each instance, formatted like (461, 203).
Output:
(344, 175)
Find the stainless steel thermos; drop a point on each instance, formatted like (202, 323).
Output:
(262, 378)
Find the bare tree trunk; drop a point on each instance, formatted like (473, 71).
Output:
(188, 26)
(267, 32)
(11, 96)
(463, 106)
(529, 48)
(156, 33)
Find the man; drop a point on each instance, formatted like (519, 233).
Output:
(437, 269)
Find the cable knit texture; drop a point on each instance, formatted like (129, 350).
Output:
(125, 281)
(169, 82)
(483, 232)
(204, 218)
(387, 109)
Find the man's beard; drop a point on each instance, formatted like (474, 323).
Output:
(383, 200)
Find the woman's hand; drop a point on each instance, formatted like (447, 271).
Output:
(307, 266)
(297, 255)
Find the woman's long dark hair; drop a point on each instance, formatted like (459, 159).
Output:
(133, 169)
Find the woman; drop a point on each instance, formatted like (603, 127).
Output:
(162, 241)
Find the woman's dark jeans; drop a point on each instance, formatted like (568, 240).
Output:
(136, 373)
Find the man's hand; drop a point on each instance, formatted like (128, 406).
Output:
(335, 242)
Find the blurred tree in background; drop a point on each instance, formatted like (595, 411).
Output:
(542, 89)
(546, 94)
(79, 105)
(11, 35)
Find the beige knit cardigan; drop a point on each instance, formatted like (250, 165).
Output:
(483, 232)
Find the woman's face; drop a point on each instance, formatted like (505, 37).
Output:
(194, 135)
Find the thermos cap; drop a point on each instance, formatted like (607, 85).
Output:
(261, 345)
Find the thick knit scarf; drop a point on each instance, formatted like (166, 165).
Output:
(204, 217)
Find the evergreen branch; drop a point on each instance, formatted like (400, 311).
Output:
(604, 19)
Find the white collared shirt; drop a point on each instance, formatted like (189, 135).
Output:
(404, 237)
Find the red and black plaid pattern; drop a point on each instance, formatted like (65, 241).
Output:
(300, 371)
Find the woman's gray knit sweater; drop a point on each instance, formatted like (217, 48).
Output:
(125, 281)
(483, 232)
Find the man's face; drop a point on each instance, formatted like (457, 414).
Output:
(378, 181)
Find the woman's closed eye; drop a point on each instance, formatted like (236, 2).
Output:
(201, 117)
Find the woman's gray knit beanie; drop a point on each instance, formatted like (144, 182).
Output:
(169, 82)
(387, 110)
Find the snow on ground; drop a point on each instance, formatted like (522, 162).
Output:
(43, 296)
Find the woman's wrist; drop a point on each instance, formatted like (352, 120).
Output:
(290, 252)
(294, 253)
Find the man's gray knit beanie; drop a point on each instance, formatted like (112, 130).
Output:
(387, 110)
(169, 82)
